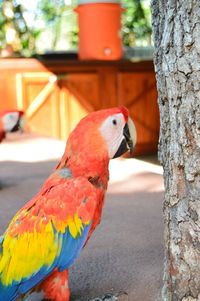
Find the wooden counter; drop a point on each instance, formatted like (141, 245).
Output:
(56, 94)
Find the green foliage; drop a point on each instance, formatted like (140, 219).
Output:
(55, 15)
(74, 37)
(2, 26)
(52, 12)
(136, 26)
(49, 13)
(12, 19)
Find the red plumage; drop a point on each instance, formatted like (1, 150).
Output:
(55, 225)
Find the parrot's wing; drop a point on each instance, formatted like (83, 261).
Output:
(47, 233)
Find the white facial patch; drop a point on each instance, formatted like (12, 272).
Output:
(112, 131)
(10, 120)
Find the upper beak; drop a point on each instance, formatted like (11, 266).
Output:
(129, 141)
(20, 125)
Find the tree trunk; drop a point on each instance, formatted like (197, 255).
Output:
(176, 27)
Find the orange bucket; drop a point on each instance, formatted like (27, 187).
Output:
(99, 31)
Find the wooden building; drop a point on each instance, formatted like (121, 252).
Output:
(56, 94)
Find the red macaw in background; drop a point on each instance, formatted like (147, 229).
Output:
(10, 121)
(48, 233)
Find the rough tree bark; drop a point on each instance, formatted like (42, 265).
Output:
(176, 30)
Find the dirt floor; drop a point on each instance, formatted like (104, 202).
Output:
(125, 253)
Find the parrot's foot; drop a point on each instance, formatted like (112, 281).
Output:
(108, 297)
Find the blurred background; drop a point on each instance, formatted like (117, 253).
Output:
(34, 27)
(60, 59)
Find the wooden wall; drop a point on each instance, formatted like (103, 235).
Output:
(56, 94)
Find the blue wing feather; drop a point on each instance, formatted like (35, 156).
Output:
(72, 247)
(70, 250)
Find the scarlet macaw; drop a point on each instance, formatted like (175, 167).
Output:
(47, 234)
(10, 121)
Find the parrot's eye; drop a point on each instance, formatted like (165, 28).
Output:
(112, 131)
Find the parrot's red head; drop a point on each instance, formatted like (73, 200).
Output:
(100, 136)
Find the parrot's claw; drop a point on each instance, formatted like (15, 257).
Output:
(108, 297)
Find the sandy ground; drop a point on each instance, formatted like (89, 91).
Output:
(125, 252)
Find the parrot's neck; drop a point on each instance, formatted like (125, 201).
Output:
(92, 167)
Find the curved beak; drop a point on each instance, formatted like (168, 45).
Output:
(129, 141)
(130, 134)
(20, 124)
